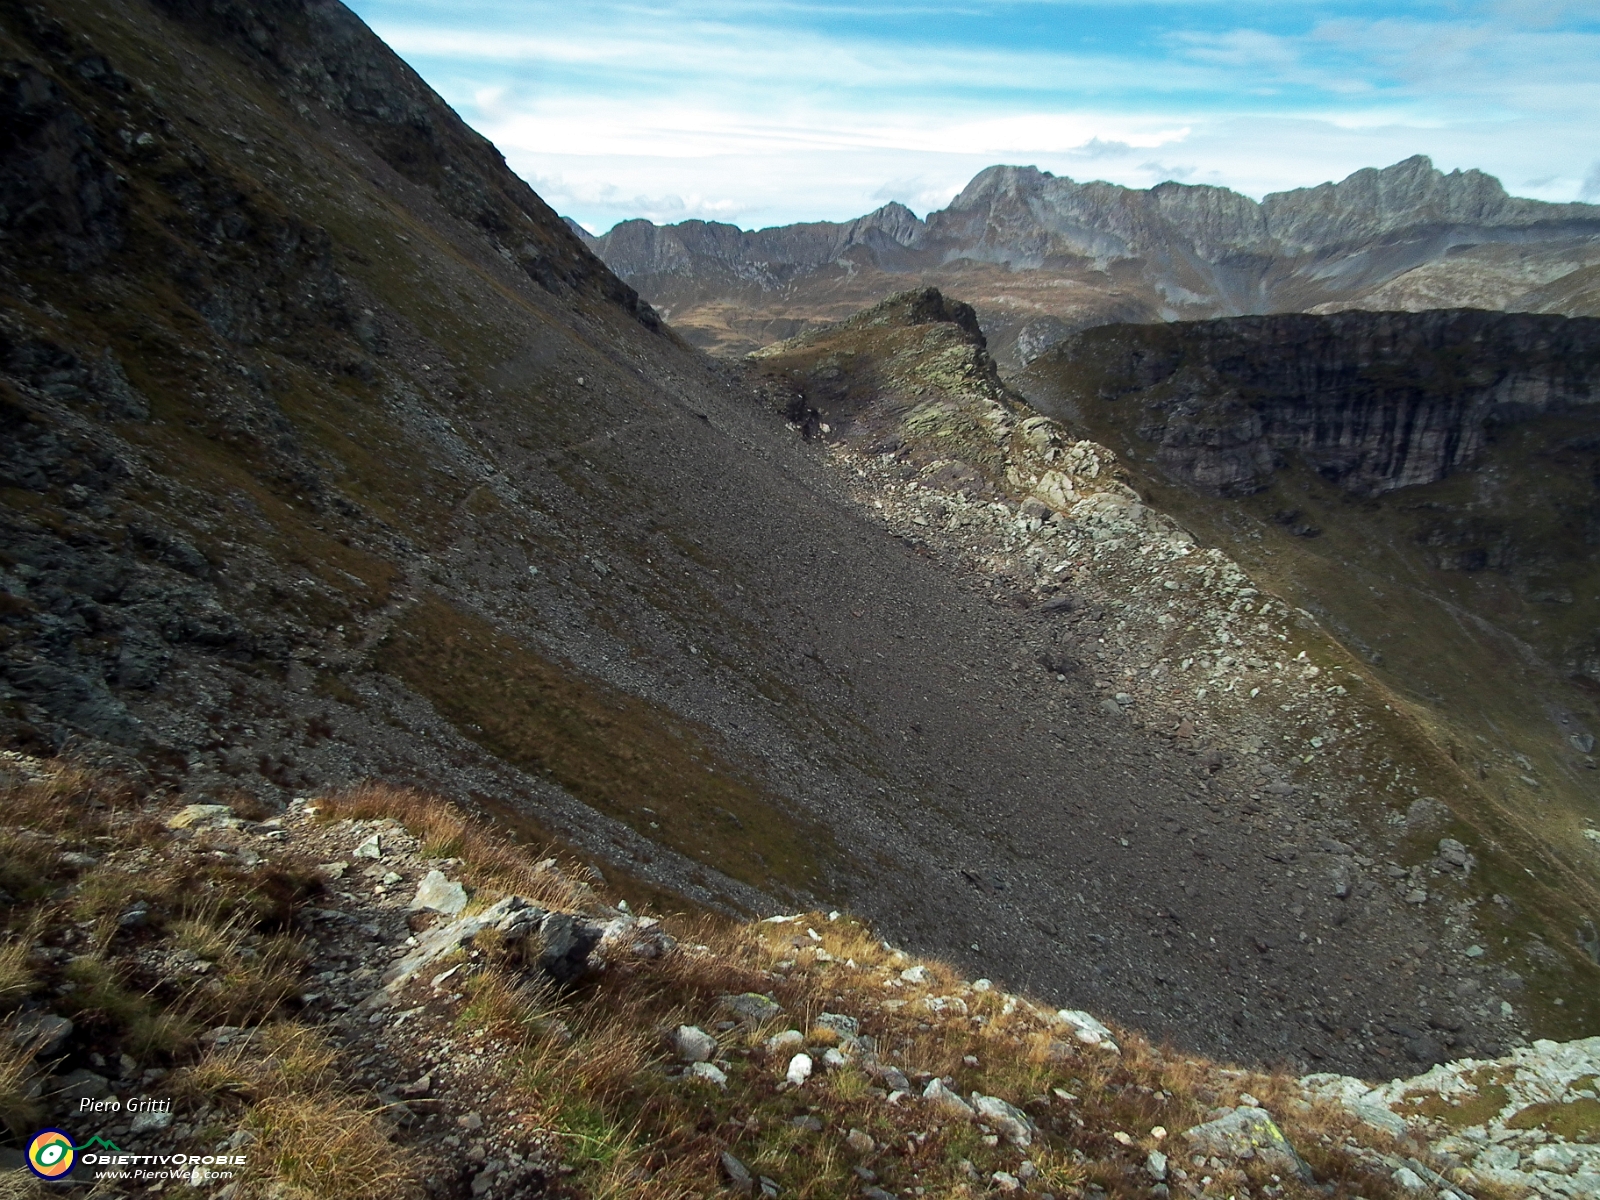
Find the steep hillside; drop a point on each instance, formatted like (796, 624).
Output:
(1425, 485)
(331, 454)
(1040, 256)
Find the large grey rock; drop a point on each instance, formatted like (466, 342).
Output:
(751, 1007)
(1246, 1133)
(943, 1098)
(43, 1034)
(564, 941)
(441, 894)
(1007, 1120)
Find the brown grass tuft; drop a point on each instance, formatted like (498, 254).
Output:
(492, 860)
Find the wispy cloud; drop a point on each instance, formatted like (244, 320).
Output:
(764, 111)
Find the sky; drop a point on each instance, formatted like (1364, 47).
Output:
(765, 112)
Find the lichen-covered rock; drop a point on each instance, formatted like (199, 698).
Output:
(1248, 1133)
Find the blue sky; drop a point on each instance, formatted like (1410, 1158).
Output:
(762, 112)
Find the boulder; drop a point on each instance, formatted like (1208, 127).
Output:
(1007, 1120)
(440, 894)
(694, 1044)
(942, 1097)
(752, 1008)
(1087, 1029)
(1246, 1133)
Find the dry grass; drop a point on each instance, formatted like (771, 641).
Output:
(18, 1113)
(17, 977)
(492, 860)
(312, 1137)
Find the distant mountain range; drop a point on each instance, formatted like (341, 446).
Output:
(1041, 257)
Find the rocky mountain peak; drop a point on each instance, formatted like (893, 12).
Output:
(1042, 256)
(893, 220)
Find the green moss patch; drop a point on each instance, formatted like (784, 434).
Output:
(1576, 1120)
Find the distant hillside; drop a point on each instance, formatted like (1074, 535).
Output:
(1040, 256)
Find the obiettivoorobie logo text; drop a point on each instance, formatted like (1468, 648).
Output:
(52, 1155)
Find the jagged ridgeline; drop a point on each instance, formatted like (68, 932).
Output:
(1040, 256)
(331, 453)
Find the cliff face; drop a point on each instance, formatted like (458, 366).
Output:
(1424, 484)
(1370, 401)
(1041, 256)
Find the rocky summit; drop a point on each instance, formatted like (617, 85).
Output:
(1040, 256)
(458, 730)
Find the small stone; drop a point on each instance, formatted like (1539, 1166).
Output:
(136, 917)
(752, 1007)
(1474, 951)
(694, 1044)
(150, 1122)
(1111, 709)
(738, 1175)
(709, 1072)
(860, 1142)
(782, 1043)
(76, 1085)
(191, 816)
(1087, 1029)
(438, 894)
(1416, 896)
(845, 1027)
(833, 1058)
(1407, 1178)
(1006, 1182)
(72, 858)
(799, 1070)
(371, 848)
(1156, 1163)
(916, 974)
(333, 870)
(807, 1123)
(471, 1122)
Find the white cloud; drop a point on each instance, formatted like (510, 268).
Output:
(763, 112)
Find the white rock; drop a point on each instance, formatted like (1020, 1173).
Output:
(439, 893)
(780, 1043)
(1156, 1163)
(707, 1072)
(942, 1097)
(1407, 1178)
(150, 1122)
(916, 974)
(694, 1044)
(1006, 1119)
(799, 1070)
(371, 848)
(1087, 1030)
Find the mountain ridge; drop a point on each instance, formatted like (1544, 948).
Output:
(1041, 255)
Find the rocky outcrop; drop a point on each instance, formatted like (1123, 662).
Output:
(1371, 401)
(1408, 236)
(1527, 1120)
